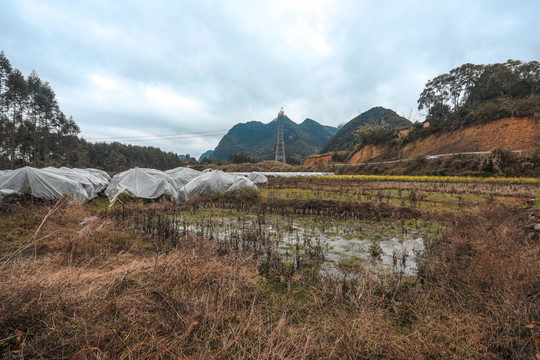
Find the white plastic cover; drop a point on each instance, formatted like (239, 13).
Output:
(214, 181)
(43, 184)
(255, 177)
(284, 174)
(182, 175)
(141, 183)
(93, 184)
(296, 174)
(6, 194)
(99, 173)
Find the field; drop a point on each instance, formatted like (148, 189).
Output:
(322, 267)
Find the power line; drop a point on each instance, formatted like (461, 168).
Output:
(160, 137)
(187, 135)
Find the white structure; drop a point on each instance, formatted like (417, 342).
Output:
(142, 183)
(214, 182)
(48, 184)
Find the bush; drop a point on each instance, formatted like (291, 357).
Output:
(241, 158)
(374, 135)
(340, 157)
(499, 160)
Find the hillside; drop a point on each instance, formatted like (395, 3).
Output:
(514, 133)
(345, 137)
(205, 155)
(258, 140)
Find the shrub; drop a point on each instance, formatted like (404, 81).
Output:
(374, 135)
(498, 160)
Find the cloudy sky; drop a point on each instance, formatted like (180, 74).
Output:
(189, 70)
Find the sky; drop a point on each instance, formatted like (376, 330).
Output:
(179, 74)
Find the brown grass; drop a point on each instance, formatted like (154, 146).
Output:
(488, 265)
(525, 191)
(267, 165)
(100, 291)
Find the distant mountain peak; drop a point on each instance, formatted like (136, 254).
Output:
(378, 115)
(205, 155)
(258, 140)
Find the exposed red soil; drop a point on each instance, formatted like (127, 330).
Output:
(514, 133)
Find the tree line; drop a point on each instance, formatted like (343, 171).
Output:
(35, 132)
(478, 93)
(468, 94)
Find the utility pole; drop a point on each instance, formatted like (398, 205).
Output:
(280, 145)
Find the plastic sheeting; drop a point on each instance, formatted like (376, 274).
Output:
(214, 181)
(6, 195)
(93, 184)
(296, 174)
(8, 192)
(182, 175)
(142, 183)
(257, 178)
(285, 174)
(43, 184)
(99, 173)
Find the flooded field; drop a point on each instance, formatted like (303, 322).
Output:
(341, 246)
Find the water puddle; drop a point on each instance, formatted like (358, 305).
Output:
(389, 245)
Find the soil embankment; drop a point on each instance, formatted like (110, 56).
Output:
(514, 133)
(318, 160)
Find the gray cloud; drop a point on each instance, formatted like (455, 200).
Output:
(131, 68)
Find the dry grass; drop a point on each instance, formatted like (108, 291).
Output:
(488, 265)
(267, 165)
(100, 291)
(331, 184)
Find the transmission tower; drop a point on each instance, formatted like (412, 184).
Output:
(280, 145)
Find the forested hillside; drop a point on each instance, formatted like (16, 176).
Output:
(34, 131)
(258, 141)
(475, 94)
(377, 116)
(468, 95)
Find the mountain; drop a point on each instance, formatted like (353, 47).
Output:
(258, 140)
(345, 137)
(205, 155)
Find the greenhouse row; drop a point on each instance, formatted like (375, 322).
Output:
(85, 184)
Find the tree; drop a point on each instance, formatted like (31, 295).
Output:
(207, 160)
(240, 158)
(374, 135)
(436, 92)
(36, 104)
(117, 161)
(15, 99)
(465, 78)
(472, 93)
(5, 71)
